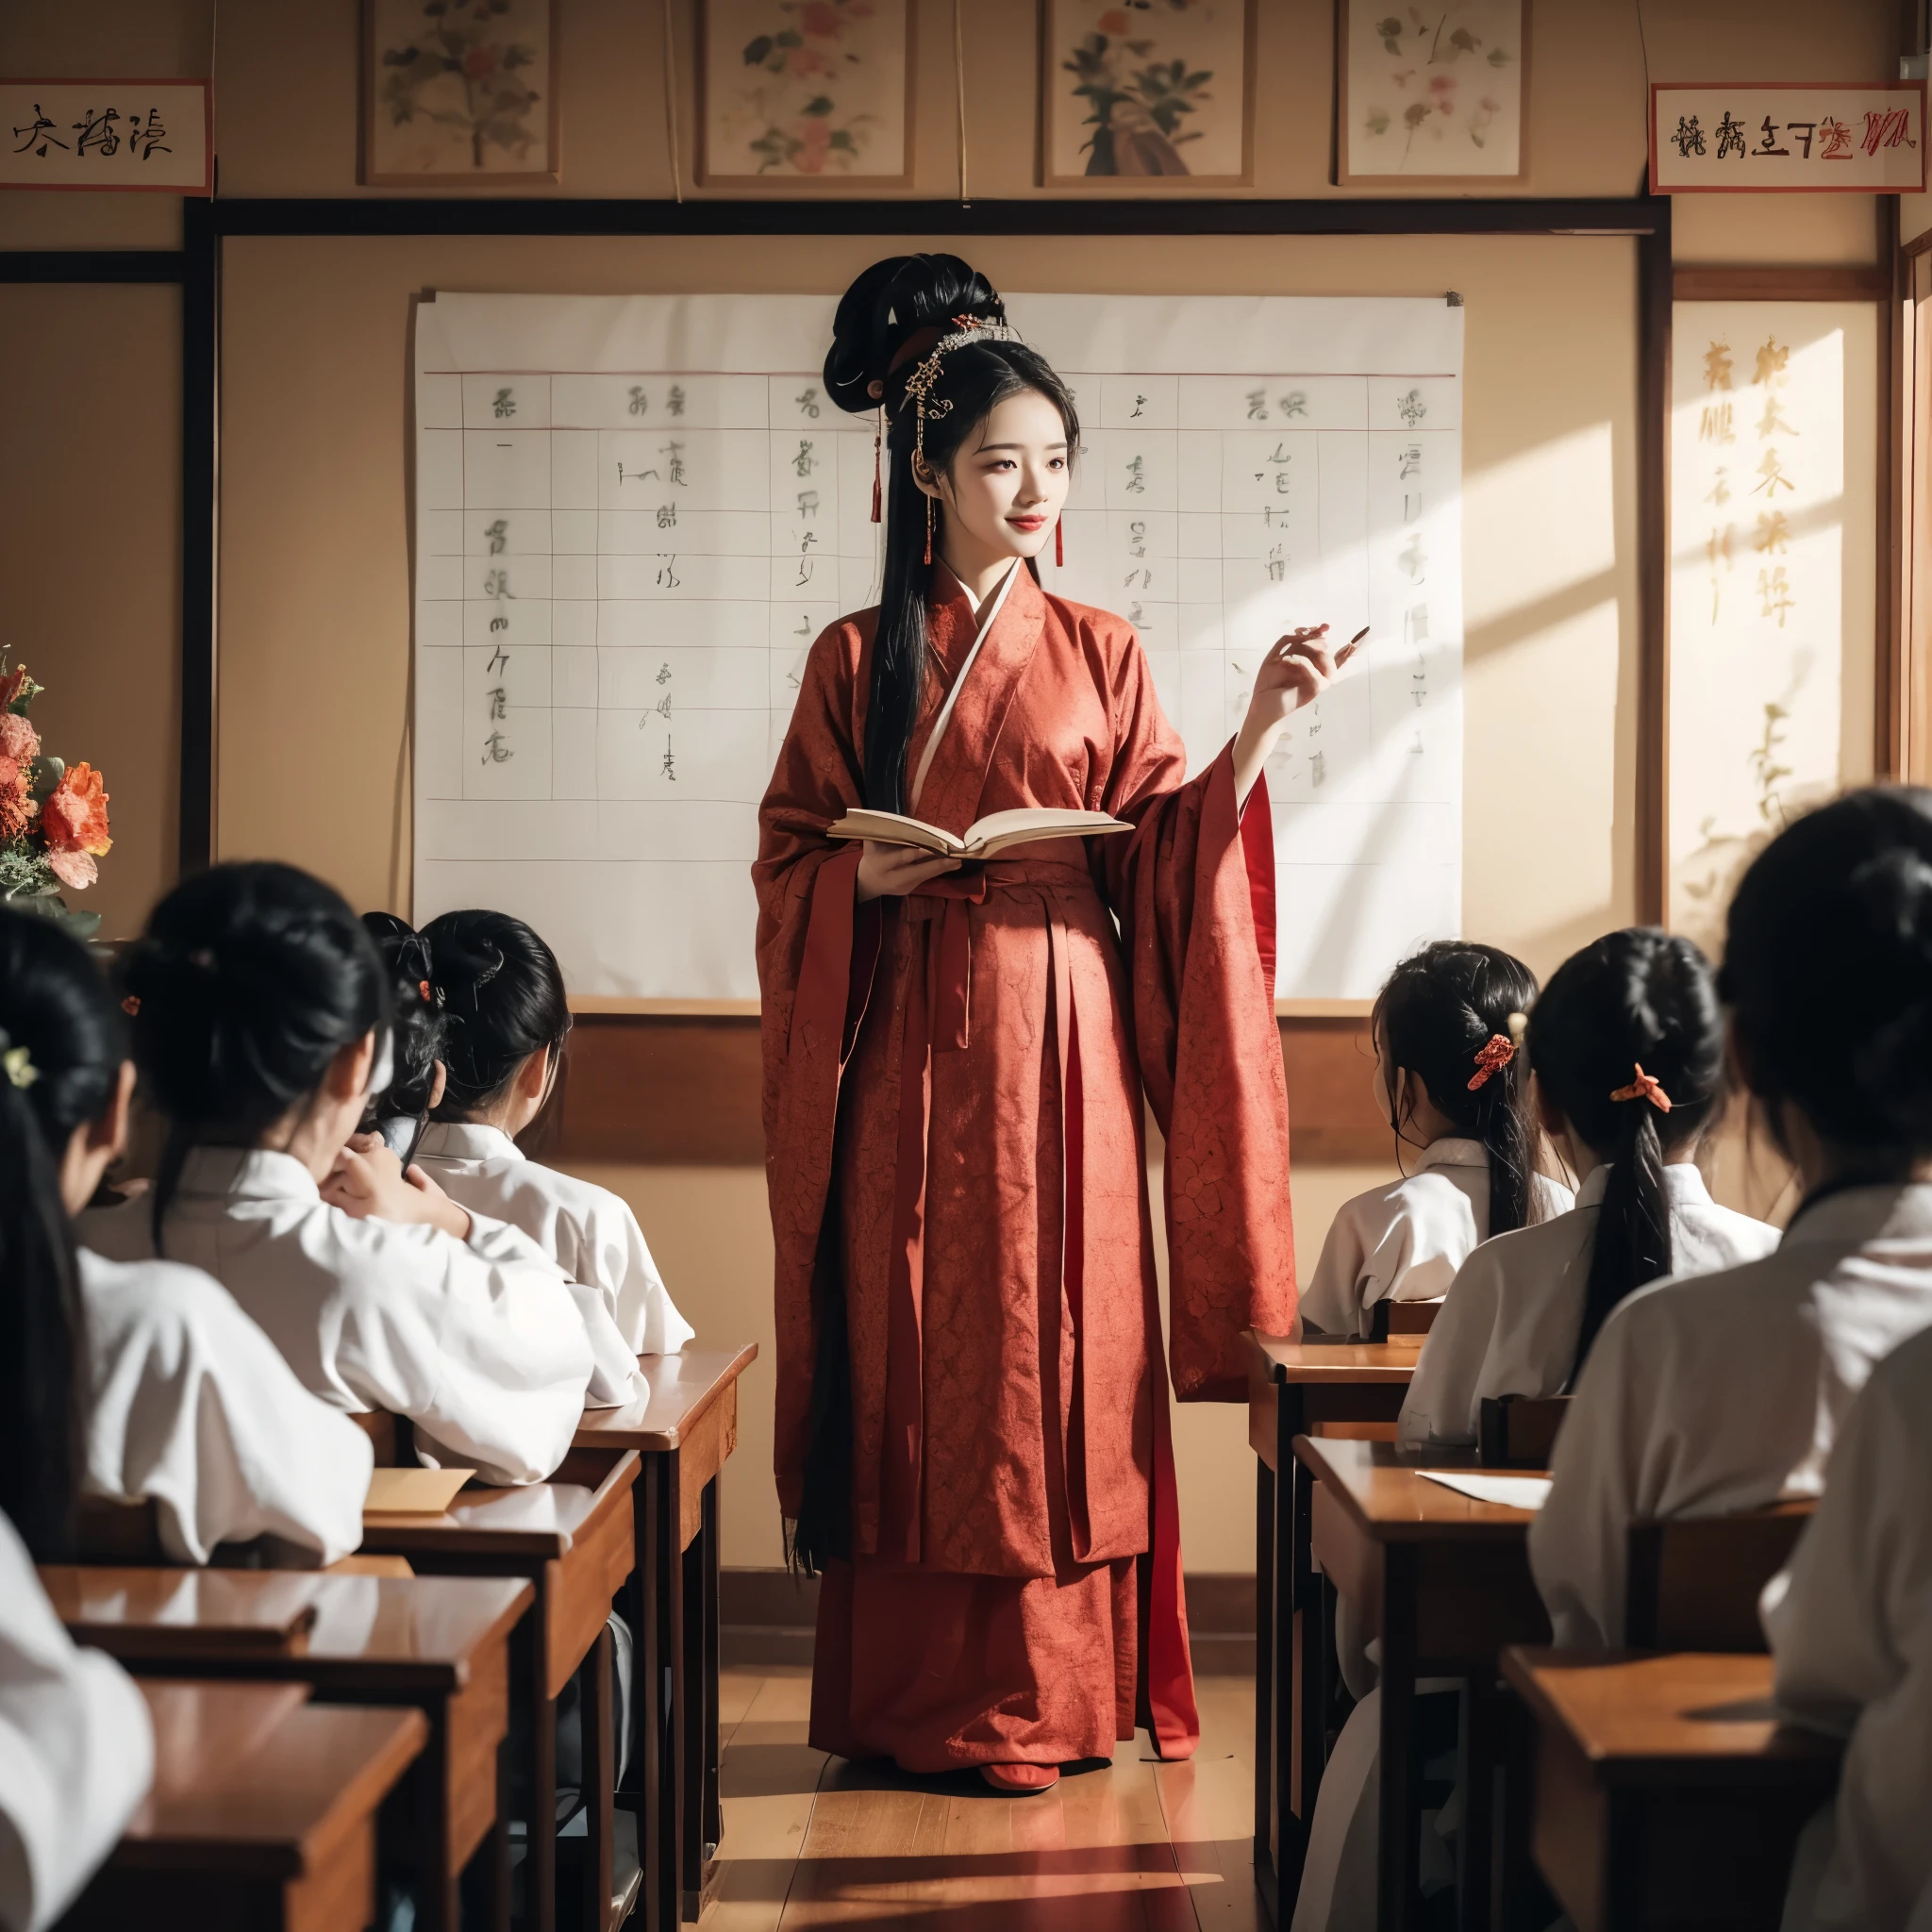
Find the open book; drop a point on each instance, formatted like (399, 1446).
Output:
(986, 837)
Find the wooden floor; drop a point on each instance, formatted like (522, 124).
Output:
(812, 1840)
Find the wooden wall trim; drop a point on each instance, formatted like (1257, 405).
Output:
(684, 1092)
(1786, 283)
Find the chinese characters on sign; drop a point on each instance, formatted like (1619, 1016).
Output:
(1772, 569)
(107, 134)
(1797, 140)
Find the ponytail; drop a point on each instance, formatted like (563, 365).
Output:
(1440, 1016)
(1627, 1046)
(61, 1056)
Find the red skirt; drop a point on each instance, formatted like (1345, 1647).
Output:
(957, 1669)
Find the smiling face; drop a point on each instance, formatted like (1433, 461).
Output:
(1008, 483)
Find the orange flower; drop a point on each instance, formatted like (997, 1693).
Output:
(16, 802)
(75, 817)
(1113, 23)
(10, 684)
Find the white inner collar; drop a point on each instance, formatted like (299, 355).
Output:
(989, 615)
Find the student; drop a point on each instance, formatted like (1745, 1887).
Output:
(1443, 1077)
(505, 1020)
(261, 1011)
(399, 1115)
(1626, 1051)
(76, 1750)
(1720, 1393)
(1851, 1627)
(186, 1400)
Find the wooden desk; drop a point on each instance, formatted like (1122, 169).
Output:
(437, 1644)
(685, 1427)
(1444, 1582)
(262, 1814)
(1295, 1387)
(570, 1539)
(1666, 1795)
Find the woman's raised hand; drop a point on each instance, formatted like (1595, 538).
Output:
(889, 872)
(1297, 669)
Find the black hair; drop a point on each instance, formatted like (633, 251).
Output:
(419, 1028)
(893, 301)
(1439, 1010)
(1829, 973)
(1639, 998)
(248, 981)
(64, 1043)
(503, 1000)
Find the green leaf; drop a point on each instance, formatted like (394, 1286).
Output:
(790, 37)
(818, 106)
(1377, 122)
(1498, 57)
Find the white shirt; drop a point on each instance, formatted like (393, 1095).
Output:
(1510, 1324)
(191, 1404)
(76, 1750)
(1403, 1242)
(587, 1230)
(481, 1343)
(1711, 1395)
(1851, 1627)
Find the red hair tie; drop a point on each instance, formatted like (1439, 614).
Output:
(1492, 1056)
(1645, 1087)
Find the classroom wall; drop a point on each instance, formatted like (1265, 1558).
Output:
(314, 585)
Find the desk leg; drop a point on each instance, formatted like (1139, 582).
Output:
(540, 1861)
(700, 1805)
(1268, 1736)
(658, 1564)
(1476, 1841)
(1399, 1774)
(496, 1848)
(600, 1771)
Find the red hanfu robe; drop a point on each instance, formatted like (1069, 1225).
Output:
(982, 1049)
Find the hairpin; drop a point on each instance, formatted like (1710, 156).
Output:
(1494, 1054)
(1645, 1087)
(19, 1065)
(1518, 1025)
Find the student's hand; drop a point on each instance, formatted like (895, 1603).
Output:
(889, 872)
(368, 1183)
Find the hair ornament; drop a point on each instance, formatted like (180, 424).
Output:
(1645, 1087)
(18, 1062)
(425, 991)
(1518, 1025)
(131, 1006)
(1492, 1056)
(919, 385)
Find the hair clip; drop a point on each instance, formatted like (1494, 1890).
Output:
(1518, 1025)
(424, 988)
(1645, 1087)
(1492, 1056)
(131, 1006)
(20, 1066)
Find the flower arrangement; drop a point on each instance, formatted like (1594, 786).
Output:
(53, 815)
(810, 56)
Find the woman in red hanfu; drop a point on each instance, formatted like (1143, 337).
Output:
(972, 1436)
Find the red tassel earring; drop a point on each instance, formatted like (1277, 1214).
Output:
(928, 530)
(876, 434)
(1060, 544)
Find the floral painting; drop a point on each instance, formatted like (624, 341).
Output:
(1141, 90)
(459, 90)
(809, 92)
(1432, 91)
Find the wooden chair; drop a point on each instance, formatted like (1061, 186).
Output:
(1402, 1318)
(1692, 1583)
(1520, 1431)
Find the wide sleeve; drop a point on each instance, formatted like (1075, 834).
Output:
(1193, 889)
(1444, 1400)
(815, 952)
(194, 1406)
(76, 1750)
(1852, 1638)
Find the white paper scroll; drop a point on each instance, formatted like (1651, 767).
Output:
(635, 513)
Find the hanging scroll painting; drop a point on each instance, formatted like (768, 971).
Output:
(1144, 92)
(1773, 581)
(1432, 94)
(805, 93)
(455, 93)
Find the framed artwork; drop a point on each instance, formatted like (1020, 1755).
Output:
(805, 93)
(458, 90)
(1431, 93)
(1145, 90)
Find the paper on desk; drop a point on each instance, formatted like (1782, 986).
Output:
(413, 1492)
(1512, 1491)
